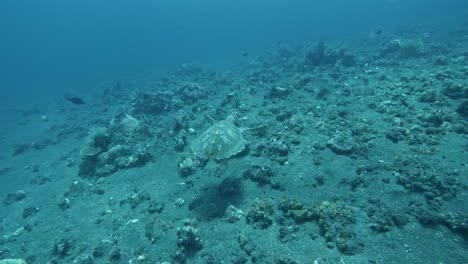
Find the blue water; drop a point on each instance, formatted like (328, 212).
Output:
(50, 46)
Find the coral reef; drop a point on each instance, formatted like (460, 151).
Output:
(335, 220)
(188, 241)
(260, 213)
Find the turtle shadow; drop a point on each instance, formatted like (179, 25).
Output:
(215, 198)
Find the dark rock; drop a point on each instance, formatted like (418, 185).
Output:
(28, 227)
(355, 182)
(40, 180)
(137, 198)
(62, 248)
(457, 222)
(426, 215)
(435, 119)
(429, 96)
(463, 109)
(261, 174)
(30, 211)
(397, 134)
(14, 197)
(384, 218)
(63, 203)
(283, 116)
(279, 148)
(20, 149)
(349, 245)
(101, 249)
(320, 180)
(295, 210)
(4, 171)
(155, 207)
(179, 257)
(115, 254)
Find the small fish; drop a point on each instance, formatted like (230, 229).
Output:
(245, 54)
(75, 100)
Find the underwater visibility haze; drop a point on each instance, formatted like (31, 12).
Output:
(258, 131)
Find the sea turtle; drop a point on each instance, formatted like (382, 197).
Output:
(221, 141)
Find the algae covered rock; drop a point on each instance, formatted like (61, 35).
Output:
(188, 165)
(102, 154)
(336, 222)
(261, 174)
(260, 214)
(123, 123)
(221, 141)
(188, 241)
(96, 143)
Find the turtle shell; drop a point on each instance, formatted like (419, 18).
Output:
(221, 141)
